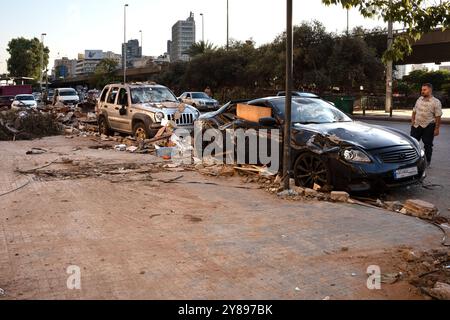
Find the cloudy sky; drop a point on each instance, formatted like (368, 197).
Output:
(75, 25)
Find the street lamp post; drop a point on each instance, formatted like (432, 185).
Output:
(289, 80)
(125, 43)
(203, 27)
(142, 42)
(41, 73)
(228, 24)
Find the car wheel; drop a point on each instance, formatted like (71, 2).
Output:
(103, 127)
(309, 170)
(140, 132)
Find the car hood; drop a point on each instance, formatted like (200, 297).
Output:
(360, 134)
(26, 103)
(166, 106)
(69, 97)
(206, 100)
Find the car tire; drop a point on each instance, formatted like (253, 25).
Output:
(311, 169)
(103, 127)
(140, 131)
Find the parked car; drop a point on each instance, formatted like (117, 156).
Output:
(329, 149)
(37, 96)
(24, 101)
(199, 100)
(67, 96)
(300, 94)
(5, 101)
(92, 96)
(140, 109)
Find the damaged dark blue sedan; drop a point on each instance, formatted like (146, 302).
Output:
(331, 150)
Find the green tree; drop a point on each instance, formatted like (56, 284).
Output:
(200, 48)
(105, 73)
(353, 64)
(417, 16)
(418, 77)
(25, 57)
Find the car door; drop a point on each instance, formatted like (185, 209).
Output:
(124, 109)
(110, 107)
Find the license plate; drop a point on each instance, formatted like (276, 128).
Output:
(406, 173)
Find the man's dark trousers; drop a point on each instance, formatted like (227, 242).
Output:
(427, 136)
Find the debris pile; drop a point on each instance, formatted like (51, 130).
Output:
(27, 125)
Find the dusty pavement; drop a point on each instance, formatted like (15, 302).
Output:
(136, 236)
(437, 183)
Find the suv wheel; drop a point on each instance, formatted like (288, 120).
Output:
(103, 127)
(140, 131)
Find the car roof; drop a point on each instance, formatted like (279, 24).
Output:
(66, 89)
(24, 95)
(136, 85)
(303, 94)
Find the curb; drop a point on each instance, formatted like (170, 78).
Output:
(389, 119)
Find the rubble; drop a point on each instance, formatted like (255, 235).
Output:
(441, 291)
(420, 209)
(339, 196)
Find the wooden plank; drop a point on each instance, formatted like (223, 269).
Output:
(253, 113)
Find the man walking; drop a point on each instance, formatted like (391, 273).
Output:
(426, 120)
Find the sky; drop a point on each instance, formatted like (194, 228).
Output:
(73, 26)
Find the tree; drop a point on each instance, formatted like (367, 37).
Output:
(25, 57)
(353, 64)
(105, 73)
(417, 17)
(418, 77)
(200, 48)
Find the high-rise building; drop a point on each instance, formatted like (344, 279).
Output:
(64, 68)
(134, 51)
(183, 37)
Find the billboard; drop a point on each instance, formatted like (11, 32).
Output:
(93, 54)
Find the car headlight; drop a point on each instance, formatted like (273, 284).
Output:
(422, 153)
(355, 155)
(159, 116)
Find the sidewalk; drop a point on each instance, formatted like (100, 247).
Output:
(146, 239)
(398, 115)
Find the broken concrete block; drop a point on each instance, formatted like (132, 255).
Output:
(299, 190)
(420, 209)
(287, 194)
(340, 196)
(292, 184)
(441, 291)
(395, 206)
(311, 193)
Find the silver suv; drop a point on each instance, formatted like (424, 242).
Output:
(140, 110)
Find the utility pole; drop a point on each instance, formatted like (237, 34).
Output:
(142, 42)
(203, 27)
(348, 22)
(389, 71)
(228, 25)
(125, 43)
(41, 73)
(288, 107)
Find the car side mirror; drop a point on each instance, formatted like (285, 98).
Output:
(123, 111)
(268, 122)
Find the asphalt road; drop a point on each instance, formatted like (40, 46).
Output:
(437, 184)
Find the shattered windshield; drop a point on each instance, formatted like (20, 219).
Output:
(25, 98)
(155, 95)
(67, 93)
(312, 111)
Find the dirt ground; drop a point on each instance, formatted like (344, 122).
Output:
(139, 228)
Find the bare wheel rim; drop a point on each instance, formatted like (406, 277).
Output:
(141, 134)
(310, 170)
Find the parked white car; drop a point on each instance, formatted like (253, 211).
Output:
(199, 100)
(66, 96)
(24, 101)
